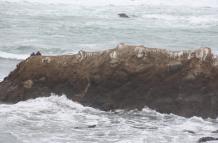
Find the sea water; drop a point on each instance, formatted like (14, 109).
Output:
(66, 26)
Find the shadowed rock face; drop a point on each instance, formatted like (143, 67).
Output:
(127, 77)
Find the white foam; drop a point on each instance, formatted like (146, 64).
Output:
(43, 119)
(12, 56)
(202, 19)
(178, 20)
(193, 3)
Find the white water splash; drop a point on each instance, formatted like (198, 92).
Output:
(193, 3)
(12, 56)
(56, 119)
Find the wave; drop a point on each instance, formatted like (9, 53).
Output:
(62, 102)
(58, 119)
(193, 3)
(12, 56)
(177, 20)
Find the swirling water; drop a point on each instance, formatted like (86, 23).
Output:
(67, 26)
(58, 120)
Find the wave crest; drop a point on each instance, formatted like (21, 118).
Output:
(193, 3)
(12, 56)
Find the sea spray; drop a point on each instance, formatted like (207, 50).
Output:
(58, 119)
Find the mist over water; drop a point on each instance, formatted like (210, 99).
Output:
(67, 26)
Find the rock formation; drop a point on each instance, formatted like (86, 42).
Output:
(126, 77)
(207, 139)
(123, 15)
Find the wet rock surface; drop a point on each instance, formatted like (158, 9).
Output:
(126, 77)
(207, 139)
(123, 15)
(189, 131)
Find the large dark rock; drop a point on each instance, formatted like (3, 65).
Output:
(184, 83)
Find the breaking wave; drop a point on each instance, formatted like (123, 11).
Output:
(12, 56)
(193, 3)
(57, 119)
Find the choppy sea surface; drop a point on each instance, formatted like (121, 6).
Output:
(67, 26)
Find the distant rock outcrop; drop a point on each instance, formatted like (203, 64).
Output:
(127, 77)
(123, 15)
(207, 139)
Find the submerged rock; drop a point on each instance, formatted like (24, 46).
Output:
(206, 139)
(216, 131)
(127, 77)
(92, 126)
(189, 131)
(123, 15)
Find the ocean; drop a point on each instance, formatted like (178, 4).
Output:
(56, 27)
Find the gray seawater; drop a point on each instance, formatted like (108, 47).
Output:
(67, 26)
